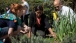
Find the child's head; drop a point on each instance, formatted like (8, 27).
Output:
(38, 10)
(17, 9)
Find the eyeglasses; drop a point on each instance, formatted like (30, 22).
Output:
(57, 7)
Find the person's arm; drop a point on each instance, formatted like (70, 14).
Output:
(49, 27)
(52, 33)
(11, 25)
(31, 19)
(72, 14)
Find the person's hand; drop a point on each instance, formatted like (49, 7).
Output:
(57, 20)
(54, 35)
(10, 31)
(26, 30)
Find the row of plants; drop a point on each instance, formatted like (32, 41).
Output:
(65, 29)
(33, 39)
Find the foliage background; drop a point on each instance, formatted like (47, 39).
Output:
(32, 3)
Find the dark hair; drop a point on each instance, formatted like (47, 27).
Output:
(38, 7)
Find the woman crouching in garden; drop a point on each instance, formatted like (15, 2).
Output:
(9, 21)
(39, 23)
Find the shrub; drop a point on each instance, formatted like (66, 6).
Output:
(33, 39)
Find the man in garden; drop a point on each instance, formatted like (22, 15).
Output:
(63, 10)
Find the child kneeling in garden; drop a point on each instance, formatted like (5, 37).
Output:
(9, 21)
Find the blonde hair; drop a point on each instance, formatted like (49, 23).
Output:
(14, 8)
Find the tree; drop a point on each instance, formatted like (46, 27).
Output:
(71, 3)
(6, 3)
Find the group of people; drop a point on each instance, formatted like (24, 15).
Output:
(16, 20)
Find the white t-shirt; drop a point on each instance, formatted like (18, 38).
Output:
(67, 11)
(27, 5)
